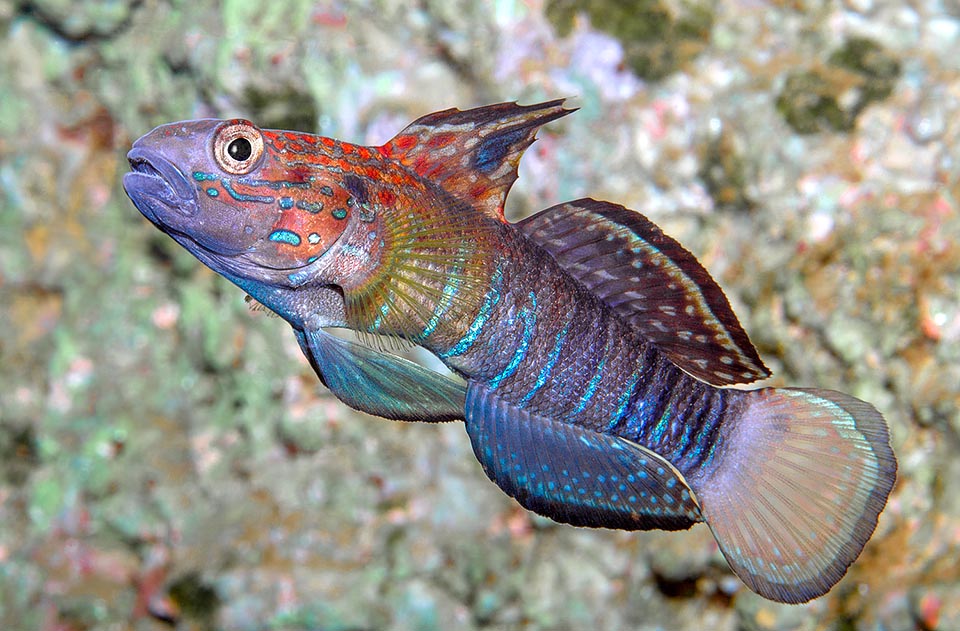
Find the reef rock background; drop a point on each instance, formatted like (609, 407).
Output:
(167, 458)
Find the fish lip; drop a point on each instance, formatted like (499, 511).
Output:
(153, 176)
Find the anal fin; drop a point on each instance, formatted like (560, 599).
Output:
(380, 383)
(574, 475)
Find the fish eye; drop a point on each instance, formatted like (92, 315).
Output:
(237, 147)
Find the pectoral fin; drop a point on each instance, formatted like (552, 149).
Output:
(379, 383)
(574, 475)
(653, 283)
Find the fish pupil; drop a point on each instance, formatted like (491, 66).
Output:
(240, 149)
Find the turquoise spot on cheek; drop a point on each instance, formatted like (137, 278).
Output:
(200, 176)
(212, 192)
(285, 236)
(286, 203)
(339, 213)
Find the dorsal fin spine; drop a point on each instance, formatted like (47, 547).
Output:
(472, 154)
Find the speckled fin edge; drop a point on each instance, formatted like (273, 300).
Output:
(380, 383)
(473, 154)
(800, 480)
(574, 475)
(653, 282)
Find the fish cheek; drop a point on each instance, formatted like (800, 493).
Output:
(229, 227)
(298, 237)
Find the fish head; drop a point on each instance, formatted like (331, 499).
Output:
(231, 194)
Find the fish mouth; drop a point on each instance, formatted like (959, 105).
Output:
(158, 188)
(164, 195)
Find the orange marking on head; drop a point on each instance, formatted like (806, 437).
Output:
(276, 140)
(324, 160)
(316, 233)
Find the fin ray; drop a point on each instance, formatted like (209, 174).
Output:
(574, 475)
(473, 154)
(379, 383)
(653, 282)
(797, 489)
(425, 266)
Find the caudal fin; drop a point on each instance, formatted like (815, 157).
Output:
(799, 482)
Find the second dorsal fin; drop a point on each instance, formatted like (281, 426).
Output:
(473, 154)
(653, 283)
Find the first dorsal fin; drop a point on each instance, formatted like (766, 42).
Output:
(653, 283)
(473, 154)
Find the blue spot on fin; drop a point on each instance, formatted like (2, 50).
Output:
(379, 383)
(575, 475)
(496, 147)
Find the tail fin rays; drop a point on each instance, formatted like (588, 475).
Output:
(797, 489)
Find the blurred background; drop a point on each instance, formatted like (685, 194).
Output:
(168, 459)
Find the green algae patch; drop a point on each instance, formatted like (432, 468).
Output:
(809, 103)
(830, 98)
(723, 172)
(876, 69)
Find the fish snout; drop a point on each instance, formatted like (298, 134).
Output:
(153, 178)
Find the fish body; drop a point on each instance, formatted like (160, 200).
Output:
(596, 352)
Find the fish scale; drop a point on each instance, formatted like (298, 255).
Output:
(588, 379)
(596, 353)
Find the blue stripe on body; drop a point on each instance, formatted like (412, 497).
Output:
(661, 427)
(680, 449)
(274, 184)
(700, 452)
(529, 317)
(473, 332)
(548, 367)
(648, 414)
(623, 401)
(594, 381)
(450, 290)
